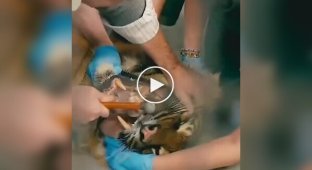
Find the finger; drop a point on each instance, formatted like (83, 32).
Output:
(103, 111)
(106, 98)
(99, 110)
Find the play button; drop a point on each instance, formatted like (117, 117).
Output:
(155, 85)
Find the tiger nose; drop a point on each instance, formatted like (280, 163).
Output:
(148, 132)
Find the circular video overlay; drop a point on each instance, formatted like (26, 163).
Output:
(156, 85)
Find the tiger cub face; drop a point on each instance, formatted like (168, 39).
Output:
(156, 132)
(160, 130)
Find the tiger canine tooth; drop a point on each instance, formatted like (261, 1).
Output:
(120, 84)
(163, 151)
(123, 123)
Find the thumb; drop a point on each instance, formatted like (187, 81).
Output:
(106, 98)
(103, 111)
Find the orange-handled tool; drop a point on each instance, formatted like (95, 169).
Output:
(123, 105)
(66, 119)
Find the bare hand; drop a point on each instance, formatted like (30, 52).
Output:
(194, 89)
(29, 121)
(87, 104)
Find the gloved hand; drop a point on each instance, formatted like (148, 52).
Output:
(194, 63)
(119, 158)
(106, 62)
(53, 44)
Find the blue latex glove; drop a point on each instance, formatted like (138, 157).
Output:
(53, 41)
(119, 158)
(106, 62)
(194, 63)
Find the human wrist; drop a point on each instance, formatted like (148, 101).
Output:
(103, 41)
(173, 66)
(190, 52)
(171, 61)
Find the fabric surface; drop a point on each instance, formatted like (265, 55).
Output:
(124, 13)
(141, 30)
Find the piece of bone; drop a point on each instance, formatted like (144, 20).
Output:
(123, 123)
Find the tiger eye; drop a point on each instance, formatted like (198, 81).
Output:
(151, 128)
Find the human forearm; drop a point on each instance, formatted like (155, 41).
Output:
(87, 20)
(160, 51)
(158, 5)
(195, 19)
(218, 153)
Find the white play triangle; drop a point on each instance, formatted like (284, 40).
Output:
(154, 85)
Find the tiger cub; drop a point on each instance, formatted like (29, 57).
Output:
(166, 129)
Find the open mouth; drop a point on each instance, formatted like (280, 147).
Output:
(144, 131)
(135, 135)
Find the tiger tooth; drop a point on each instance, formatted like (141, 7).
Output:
(119, 84)
(123, 123)
(154, 151)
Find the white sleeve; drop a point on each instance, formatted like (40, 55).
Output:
(141, 30)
